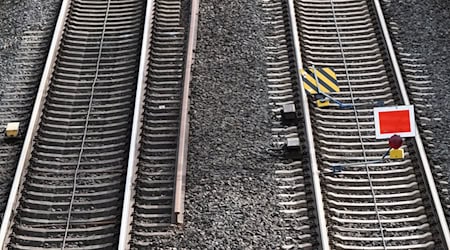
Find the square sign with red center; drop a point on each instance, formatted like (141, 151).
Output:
(396, 120)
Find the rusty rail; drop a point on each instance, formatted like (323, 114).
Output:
(180, 180)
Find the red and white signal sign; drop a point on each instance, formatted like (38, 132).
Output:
(396, 120)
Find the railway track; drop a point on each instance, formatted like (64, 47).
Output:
(388, 205)
(154, 198)
(392, 205)
(75, 151)
(107, 59)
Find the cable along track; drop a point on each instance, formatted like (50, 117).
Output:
(71, 194)
(370, 206)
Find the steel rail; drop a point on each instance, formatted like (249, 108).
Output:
(315, 173)
(431, 186)
(180, 180)
(34, 124)
(127, 210)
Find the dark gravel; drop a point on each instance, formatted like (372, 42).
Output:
(230, 183)
(16, 17)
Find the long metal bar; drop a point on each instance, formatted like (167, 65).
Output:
(125, 226)
(180, 181)
(34, 123)
(322, 227)
(444, 229)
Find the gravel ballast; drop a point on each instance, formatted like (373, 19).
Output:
(16, 17)
(230, 202)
